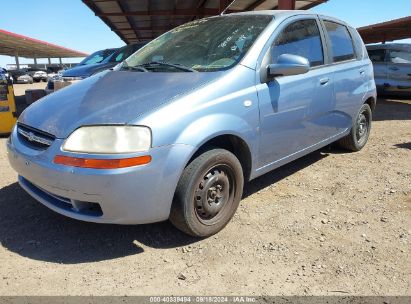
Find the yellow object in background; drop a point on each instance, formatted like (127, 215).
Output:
(8, 115)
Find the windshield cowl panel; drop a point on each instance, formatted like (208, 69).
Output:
(205, 45)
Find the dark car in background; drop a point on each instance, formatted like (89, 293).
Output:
(83, 71)
(392, 68)
(92, 65)
(93, 59)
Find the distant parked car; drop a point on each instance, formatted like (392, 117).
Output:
(177, 128)
(83, 71)
(54, 74)
(6, 75)
(392, 68)
(39, 76)
(91, 60)
(26, 78)
(14, 74)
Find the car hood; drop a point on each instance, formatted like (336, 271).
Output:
(111, 97)
(87, 70)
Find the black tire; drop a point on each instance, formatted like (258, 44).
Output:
(208, 193)
(360, 130)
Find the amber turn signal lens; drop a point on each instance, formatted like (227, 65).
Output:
(102, 163)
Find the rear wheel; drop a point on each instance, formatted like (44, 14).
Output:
(208, 193)
(360, 130)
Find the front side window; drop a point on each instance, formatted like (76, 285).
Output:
(400, 57)
(300, 38)
(210, 44)
(376, 55)
(341, 42)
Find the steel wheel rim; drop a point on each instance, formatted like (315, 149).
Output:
(214, 194)
(362, 127)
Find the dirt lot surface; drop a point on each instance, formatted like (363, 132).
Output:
(331, 223)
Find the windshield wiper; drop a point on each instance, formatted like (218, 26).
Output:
(125, 66)
(168, 64)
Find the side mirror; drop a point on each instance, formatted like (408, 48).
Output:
(288, 65)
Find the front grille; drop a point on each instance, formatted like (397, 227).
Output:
(34, 138)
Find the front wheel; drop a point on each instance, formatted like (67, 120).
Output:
(208, 193)
(360, 130)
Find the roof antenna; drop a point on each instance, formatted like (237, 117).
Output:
(228, 6)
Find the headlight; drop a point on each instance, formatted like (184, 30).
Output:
(109, 139)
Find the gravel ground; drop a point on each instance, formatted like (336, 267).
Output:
(331, 223)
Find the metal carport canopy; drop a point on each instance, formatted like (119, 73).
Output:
(386, 31)
(12, 44)
(146, 19)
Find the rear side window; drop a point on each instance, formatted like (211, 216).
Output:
(341, 42)
(359, 46)
(300, 38)
(400, 57)
(377, 55)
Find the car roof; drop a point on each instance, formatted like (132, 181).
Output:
(390, 46)
(284, 14)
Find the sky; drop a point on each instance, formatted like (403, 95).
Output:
(71, 24)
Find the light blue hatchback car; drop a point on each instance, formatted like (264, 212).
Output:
(176, 129)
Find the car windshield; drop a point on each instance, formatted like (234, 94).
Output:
(211, 44)
(96, 57)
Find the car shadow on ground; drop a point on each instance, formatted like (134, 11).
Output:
(33, 231)
(392, 108)
(404, 145)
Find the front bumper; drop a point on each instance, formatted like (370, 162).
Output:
(135, 195)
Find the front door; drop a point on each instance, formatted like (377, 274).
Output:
(292, 108)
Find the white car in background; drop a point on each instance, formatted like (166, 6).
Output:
(24, 79)
(40, 76)
(54, 75)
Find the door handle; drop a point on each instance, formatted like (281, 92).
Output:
(362, 72)
(324, 81)
(394, 68)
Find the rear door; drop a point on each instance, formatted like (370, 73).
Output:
(350, 74)
(399, 71)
